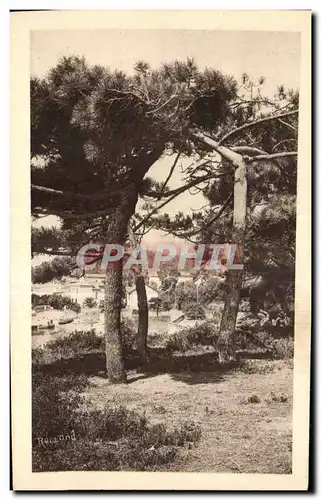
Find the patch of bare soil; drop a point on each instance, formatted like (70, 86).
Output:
(245, 415)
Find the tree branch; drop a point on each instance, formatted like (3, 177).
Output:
(256, 122)
(78, 196)
(248, 150)
(44, 251)
(282, 142)
(273, 156)
(177, 191)
(173, 194)
(139, 166)
(73, 216)
(287, 125)
(213, 219)
(225, 152)
(171, 170)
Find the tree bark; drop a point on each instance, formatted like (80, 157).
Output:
(142, 330)
(234, 276)
(117, 231)
(114, 350)
(118, 227)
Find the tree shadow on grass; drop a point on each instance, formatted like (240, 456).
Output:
(89, 364)
(195, 378)
(191, 368)
(188, 368)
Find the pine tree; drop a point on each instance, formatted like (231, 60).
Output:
(95, 134)
(251, 196)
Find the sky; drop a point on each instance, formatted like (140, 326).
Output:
(274, 55)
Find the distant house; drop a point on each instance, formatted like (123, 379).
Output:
(95, 278)
(47, 288)
(90, 285)
(82, 288)
(131, 297)
(77, 289)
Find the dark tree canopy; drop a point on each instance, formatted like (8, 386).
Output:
(95, 131)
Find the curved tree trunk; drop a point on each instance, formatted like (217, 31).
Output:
(118, 226)
(117, 232)
(234, 276)
(142, 330)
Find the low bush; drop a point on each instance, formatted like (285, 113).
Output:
(110, 439)
(90, 302)
(193, 310)
(166, 302)
(56, 301)
(216, 308)
(37, 355)
(204, 334)
(251, 335)
(251, 339)
(79, 343)
(128, 335)
(253, 399)
(54, 403)
(76, 343)
(283, 348)
(281, 326)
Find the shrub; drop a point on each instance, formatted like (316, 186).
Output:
(212, 289)
(166, 302)
(128, 335)
(75, 344)
(84, 342)
(154, 303)
(90, 302)
(204, 334)
(56, 301)
(283, 348)
(251, 366)
(54, 403)
(254, 399)
(110, 439)
(247, 323)
(193, 310)
(277, 398)
(250, 334)
(244, 306)
(37, 355)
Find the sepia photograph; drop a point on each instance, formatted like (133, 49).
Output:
(166, 292)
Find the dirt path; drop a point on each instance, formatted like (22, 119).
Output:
(238, 434)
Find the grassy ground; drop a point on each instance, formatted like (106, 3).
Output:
(245, 415)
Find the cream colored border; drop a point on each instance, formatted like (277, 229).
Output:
(21, 25)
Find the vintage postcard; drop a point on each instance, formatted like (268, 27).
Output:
(160, 273)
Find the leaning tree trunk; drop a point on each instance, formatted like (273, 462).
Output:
(117, 231)
(142, 330)
(234, 276)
